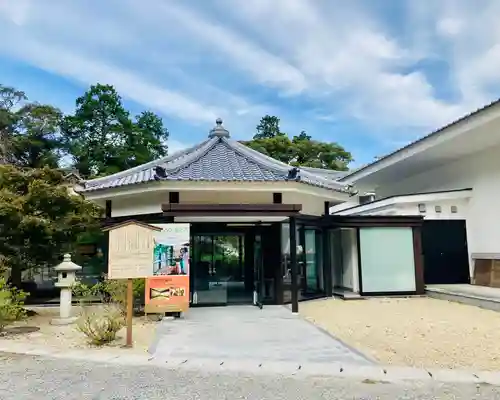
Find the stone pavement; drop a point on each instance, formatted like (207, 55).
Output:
(256, 343)
(248, 334)
(36, 378)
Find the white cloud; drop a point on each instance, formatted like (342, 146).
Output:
(57, 38)
(197, 60)
(16, 11)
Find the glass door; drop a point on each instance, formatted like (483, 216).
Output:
(218, 270)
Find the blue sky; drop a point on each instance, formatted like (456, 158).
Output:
(370, 75)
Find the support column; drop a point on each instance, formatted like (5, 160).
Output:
(105, 250)
(293, 265)
(327, 262)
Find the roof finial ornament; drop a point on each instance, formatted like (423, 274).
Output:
(219, 130)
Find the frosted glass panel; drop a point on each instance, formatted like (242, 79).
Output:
(387, 261)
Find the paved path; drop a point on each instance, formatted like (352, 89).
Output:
(35, 378)
(246, 333)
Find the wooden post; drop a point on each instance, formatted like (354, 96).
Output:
(130, 310)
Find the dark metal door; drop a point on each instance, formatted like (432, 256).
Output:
(446, 258)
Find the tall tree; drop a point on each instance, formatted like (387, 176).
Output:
(36, 138)
(103, 139)
(10, 98)
(269, 127)
(29, 132)
(301, 150)
(39, 218)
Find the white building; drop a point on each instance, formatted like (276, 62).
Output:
(452, 174)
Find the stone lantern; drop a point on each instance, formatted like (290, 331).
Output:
(66, 277)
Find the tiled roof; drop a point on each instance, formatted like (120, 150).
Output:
(218, 159)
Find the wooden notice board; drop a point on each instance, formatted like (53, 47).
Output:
(131, 246)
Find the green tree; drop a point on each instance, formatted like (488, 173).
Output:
(102, 138)
(36, 140)
(10, 98)
(301, 150)
(29, 132)
(39, 218)
(269, 127)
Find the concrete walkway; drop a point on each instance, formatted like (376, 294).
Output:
(248, 334)
(479, 296)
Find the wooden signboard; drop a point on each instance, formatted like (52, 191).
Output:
(131, 247)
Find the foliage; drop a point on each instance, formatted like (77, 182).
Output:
(29, 131)
(101, 326)
(110, 291)
(36, 140)
(301, 150)
(11, 304)
(102, 138)
(10, 98)
(39, 219)
(268, 127)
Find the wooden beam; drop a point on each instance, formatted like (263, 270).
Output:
(185, 209)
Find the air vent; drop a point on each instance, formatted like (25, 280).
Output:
(454, 209)
(367, 198)
(437, 209)
(421, 208)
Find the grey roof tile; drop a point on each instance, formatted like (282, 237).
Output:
(216, 159)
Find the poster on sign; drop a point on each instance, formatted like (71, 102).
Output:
(167, 289)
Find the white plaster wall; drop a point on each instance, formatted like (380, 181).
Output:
(150, 202)
(311, 205)
(481, 172)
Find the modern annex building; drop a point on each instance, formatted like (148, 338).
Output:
(259, 224)
(451, 178)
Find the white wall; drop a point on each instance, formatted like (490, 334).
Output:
(150, 203)
(481, 172)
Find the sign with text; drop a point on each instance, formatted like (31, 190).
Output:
(169, 293)
(130, 253)
(167, 288)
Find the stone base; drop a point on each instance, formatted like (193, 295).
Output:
(63, 321)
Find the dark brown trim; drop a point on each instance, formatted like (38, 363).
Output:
(352, 221)
(108, 209)
(156, 218)
(130, 222)
(173, 197)
(360, 269)
(388, 294)
(419, 260)
(326, 208)
(294, 266)
(327, 262)
(270, 210)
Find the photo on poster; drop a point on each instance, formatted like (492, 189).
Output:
(171, 250)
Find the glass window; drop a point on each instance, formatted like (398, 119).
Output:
(387, 260)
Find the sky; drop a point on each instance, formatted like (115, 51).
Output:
(369, 75)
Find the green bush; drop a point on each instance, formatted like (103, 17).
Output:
(11, 304)
(110, 291)
(101, 326)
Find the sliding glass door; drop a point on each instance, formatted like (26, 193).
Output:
(219, 270)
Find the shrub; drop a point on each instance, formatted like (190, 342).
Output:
(11, 304)
(101, 326)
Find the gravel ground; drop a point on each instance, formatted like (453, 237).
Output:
(68, 337)
(26, 377)
(418, 332)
